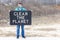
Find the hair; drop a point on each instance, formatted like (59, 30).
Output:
(20, 3)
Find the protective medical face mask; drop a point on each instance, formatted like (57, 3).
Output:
(20, 5)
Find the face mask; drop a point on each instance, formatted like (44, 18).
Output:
(19, 5)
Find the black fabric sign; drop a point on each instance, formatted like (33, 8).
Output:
(20, 17)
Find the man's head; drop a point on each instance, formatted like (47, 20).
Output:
(20, 4)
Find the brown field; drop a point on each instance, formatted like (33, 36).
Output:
(45, 21)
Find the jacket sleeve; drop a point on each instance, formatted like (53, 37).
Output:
(24, 9)
(16, 9)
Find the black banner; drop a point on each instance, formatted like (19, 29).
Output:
(20, 17)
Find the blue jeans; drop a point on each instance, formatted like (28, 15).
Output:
(18, 30)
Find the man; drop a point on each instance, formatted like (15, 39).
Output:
(20, 8)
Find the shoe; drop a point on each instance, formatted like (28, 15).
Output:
(17, 37)
(23, 36)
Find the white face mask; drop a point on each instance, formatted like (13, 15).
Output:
(19, 5)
